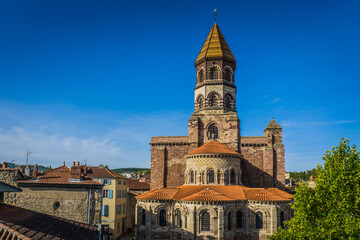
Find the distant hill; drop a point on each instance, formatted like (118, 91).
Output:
(121, 170)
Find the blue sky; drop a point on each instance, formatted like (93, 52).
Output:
(97, 79)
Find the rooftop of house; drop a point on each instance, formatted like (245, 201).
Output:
(104, 172)
(212, 147)
(76, 175)
(138, 184)
(217, 193)
(18, 223)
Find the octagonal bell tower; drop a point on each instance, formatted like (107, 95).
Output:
(215, 116)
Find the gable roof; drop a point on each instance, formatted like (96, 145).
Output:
(217, 193)
(136, 184)
(60, 175)
(215, 46)
(213, 146)
(19, 223)
(104, 172)
(273, 124)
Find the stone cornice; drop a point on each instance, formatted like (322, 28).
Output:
(170, 144)
(253, 144)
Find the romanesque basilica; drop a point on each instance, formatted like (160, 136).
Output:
(215, 183)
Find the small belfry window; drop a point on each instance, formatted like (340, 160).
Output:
(259, 220)
(228, 101)
(213, 73)
(201, 76)
(162, 220)
(227, 74)
(213, 100)
(200, 102)
(205, 222)
(191, 176)
(213, 132)
(211, 176)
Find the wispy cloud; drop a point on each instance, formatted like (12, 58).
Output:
(115, 139)
(276, 100)
(294, 124)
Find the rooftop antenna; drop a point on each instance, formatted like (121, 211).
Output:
(27, 156)
(86, 160)
(215, 13)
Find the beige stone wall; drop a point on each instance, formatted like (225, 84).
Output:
(10, 177)
(74, 202)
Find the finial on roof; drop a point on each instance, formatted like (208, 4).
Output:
(215, 13)
(64, 163)
(272, 118)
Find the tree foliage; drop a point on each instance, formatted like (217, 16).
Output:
(304, 175)
(332, 209)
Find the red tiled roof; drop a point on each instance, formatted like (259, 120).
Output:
(104, 172)
(18, 223)
(213, 147)
(60, 175)
(216, 193)
(135, 184)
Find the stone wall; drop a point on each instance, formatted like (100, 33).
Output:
(219, 220)
(10, 176)
(73, 202)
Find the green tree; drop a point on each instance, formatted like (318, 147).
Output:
(332, 209)
(48, 168)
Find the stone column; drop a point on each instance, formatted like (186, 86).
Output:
(149, 224)
(221, 223)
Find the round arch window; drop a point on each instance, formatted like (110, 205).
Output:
(56, 205)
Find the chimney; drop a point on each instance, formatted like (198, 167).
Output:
(4, 165)
(73, 163)
(78, 163)
(27, 171)
(64, 164)
(101, 166)
(35, 172)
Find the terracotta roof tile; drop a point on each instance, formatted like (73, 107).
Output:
(20, 223)
(136, 184)
(60, 175)
(216, 193)
(213, 147)
(103, 172)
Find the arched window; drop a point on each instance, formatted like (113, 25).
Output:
(205, 222)
(178, 218)
(143, 217)
(226, 176)
(227, 74)
(213, 100)
(213, 73)
(162, 218)
(191, 176)
(259, 220)
(201, 75)
(239, 219)
(232, 177)
(229, 221)
(228, 101)
(211, 176)
(200, 102)
(218, 177)
(282, 219)
(213, 132)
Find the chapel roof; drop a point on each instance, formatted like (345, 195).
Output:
(213, 146)
(215, 46)
(273, 124)
(215, 193)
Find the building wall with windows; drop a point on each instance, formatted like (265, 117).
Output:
(114, 195)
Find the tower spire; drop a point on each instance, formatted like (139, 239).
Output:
(215, 13)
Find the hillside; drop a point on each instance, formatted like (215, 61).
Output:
(121, 170)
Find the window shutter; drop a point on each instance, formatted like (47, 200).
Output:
(102, 181)
(110, 193)
(106, 210)
(103, 210)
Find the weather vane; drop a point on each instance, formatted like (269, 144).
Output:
(215, 13)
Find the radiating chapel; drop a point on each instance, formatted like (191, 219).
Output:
(215, 183)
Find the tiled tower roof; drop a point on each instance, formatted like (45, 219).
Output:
(273, 124)
(213, 147)
(215, 46)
